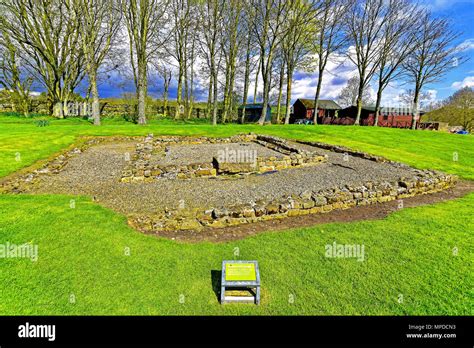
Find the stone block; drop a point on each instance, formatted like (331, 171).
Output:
(206, 172)
(272, 208)
(235, 167)
(219, 213)
(319, 200)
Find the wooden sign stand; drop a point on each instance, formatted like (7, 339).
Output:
(240, 275)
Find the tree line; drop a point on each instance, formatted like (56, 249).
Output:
(226, 45)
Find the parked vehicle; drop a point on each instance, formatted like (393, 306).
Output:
(304, 121)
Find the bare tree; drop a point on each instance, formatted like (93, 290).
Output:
(433, 56)
(230, 47)
(257, 74)
(210, 22)
(181, 22)
(166, 74)
(47, 34)
(407, 97)
(145, 23)
(281, 81)
(297, 44)
(350, 94)
(269, 31)
(364, 26)
(189, 73)
(396, 44)
(330, 40)
(99, 24)
(13, 77)
(250, 53)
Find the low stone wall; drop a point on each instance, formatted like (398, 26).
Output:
(140, 168)
(147, 173)
(15, 182)
(342, 149)
(423, 182)
(295, 156)
(419, 182)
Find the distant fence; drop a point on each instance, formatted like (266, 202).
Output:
(346, 121)
(384, 121)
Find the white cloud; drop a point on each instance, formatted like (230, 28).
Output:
(466, 45)
(433, 93)
(391, 95)
(438, 5)
(467, 82)
(32, 93)
(338, 71)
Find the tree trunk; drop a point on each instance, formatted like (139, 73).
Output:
(209, 97)
(179, 92)
(288, 94)
(280, 91)
(186, 91)
(95, 98)
(226, 94)
(191, 88)
(256, 81)
(316, 97)
(165, 99)
(26, 107)
(266, 88)
(246, 79)
(377, 106)
(360, 95)
(58, 109)
(231, 92)
(59, 102)
(51, 107)
(214, 101)
(359, 111)
(415, 109)
(66, 107)
(142, 90)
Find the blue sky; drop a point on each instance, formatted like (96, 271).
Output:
(461, 15)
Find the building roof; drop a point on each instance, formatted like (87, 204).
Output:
(322, 104)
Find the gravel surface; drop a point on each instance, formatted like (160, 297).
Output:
(97, 171)
(204, 153)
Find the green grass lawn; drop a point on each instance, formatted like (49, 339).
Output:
(422, 149)
(409, 266)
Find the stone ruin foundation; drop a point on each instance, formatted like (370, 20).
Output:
(173, 159)
(142, 167)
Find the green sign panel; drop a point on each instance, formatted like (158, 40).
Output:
(240, 275)
(240, 272)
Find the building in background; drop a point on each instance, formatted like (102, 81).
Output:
(397, 117)
(253, 112)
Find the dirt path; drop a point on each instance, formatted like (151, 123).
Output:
(368, 212)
